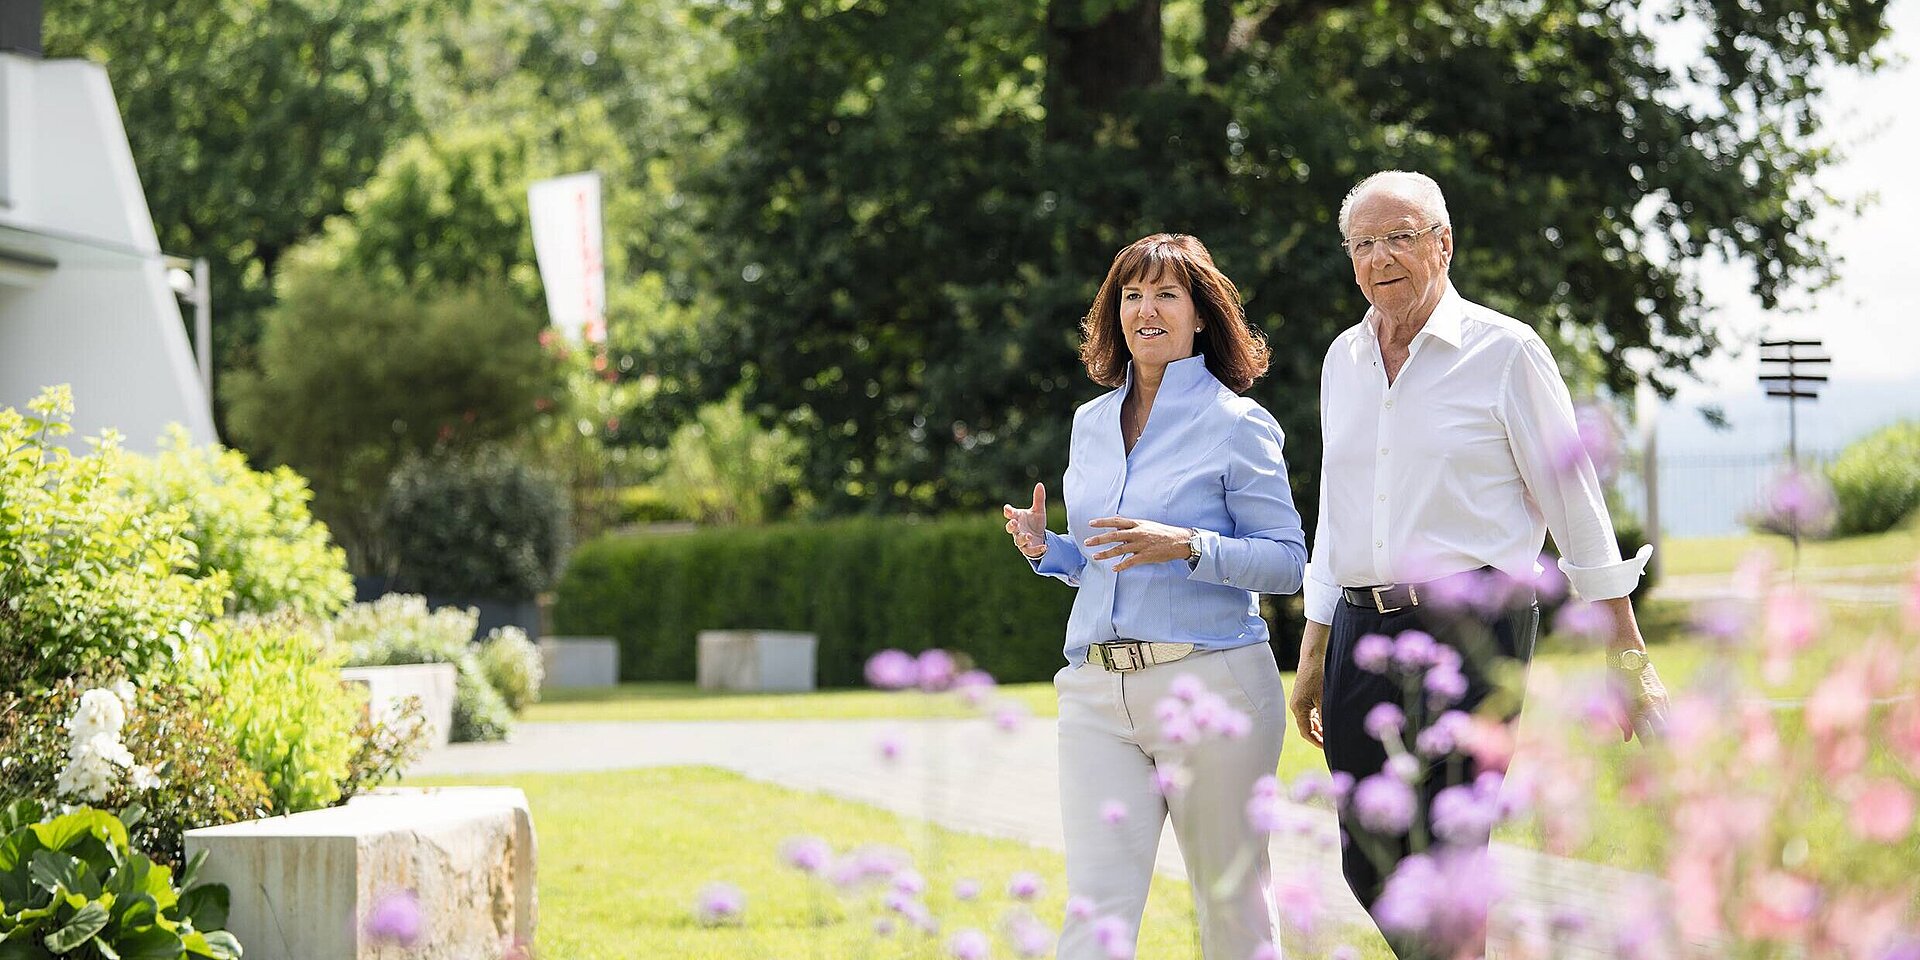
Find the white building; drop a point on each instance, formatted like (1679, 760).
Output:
(84, 298)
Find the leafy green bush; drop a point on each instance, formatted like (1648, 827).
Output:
(1877, 480)
(512, 665)
(862, 585)
(384, 748)
(475, 525)
(90, 576)
(398, 629)
(200, 778)
(725, 468)
(272, 685)
(356, 374)
(74, 886)
(642, 503)
(253, 525)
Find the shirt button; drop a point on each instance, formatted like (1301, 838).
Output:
(1383, 498)
(1383, 451)
(1379, 543)
(1389, 404)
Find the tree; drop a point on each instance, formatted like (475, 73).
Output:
(918, 200)
(250, 120)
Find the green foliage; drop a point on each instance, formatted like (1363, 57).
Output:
(910, 218)
(512, 666)
(482, 524)
(254, 526)
(724, 468)
(272, 685)
(294, 102)
(90, 576)
(384, 748)
(74, 886)
(644, 503)
(861, 585)
(201, 778)
(1877, 480)
(398, 629)
(355, 376)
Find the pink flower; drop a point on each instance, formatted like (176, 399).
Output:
(1180, 730)
(1792, 621)
(1778, 906)
(1467, 814)
(1234, 725)
(1443, 897)
(1186, 687)
(1584, 621)
(1265, 810)
(1373, 653)
(1169, 779)
(1595, 441)
(1113, 812)
(1444, 736)
(806, 854)
(966, 889)
(1413, 650)
(1384, 804)
(1344, 952)
(1383, 721)
(1489, 742)
(973, 686)
(719, 903)
(1009, 717)
(1080, 908)
(1883, 811)
(1841, 702)
(1266, 951)
(910, 882)
(890, 744)
(395, 918)
(1797, 500)
(1030, 937)
(1903, 733)
(1299, 904)
(892, 670)
(1025, 885)
(968, 945)
(1115, 936)
(937, 670)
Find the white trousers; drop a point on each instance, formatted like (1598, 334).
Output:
(1112, 747)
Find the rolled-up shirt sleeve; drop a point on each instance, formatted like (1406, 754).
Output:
(1561, 479)
(1266, 551)
(1063, 560)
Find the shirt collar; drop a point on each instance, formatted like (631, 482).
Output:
(1182, 377)
(1443, 324)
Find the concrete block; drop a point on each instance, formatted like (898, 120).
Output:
(580, 661)
(387, 687)
(761, 660)
(302, 885)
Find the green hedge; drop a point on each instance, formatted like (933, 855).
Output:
(1876, 480)
(861, 585)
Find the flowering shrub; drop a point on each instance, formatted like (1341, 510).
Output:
(91, 577)
(119, 746)
(75, 886)
(512, 666)
(253, 525)
(398, 628)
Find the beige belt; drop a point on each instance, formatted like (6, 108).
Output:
(1125, 656)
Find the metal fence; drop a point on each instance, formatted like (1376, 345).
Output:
(1710, 495)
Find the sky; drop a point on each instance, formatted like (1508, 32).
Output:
(1868, 318)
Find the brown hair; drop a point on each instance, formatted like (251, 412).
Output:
(1236, 353)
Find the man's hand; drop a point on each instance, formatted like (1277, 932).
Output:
(1142, 541)
(1309, 684)
(1028, 527)
(1642, 693)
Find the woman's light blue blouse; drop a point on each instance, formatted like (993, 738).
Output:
(1208, 459)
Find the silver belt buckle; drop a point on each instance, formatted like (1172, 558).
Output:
(1413, 599)
(1125, 656)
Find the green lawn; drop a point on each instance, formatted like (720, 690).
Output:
(1704, 555)
(624, 855)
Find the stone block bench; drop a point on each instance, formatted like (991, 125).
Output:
(303, 885)
(756, 660)
(579, 662)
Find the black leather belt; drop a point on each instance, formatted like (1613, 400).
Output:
(1391, 598)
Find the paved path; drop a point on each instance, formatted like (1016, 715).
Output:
(970, 776)
(1884, 584)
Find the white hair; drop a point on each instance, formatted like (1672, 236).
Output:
(1416, 188)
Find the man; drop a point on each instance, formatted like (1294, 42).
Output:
(1450, 450)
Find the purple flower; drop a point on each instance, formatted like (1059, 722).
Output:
(1465, 815)
(1444, 736)
(1384, 804)
(1169, 709)
(883, 927)
(973, 686)
(910, 882)
(936, 669)
(1169, 779)
(1413, 651)
(968, 945)
(1312, 786)
(1180, 730)
(1208, 708)
(1797, 500)
(395, 918)
(1594, 441)
(1586, 621)
(1383, 721)
(1009, 717)
(1549, 584)
(1235, 725)
(1299, 904)
(966, 889)
(1441, 897)
(1080, 908)
(719, 903)
(1344, 952)
(1266, 812)
(1113, 812)
(1403, 767)
(1024, 886)
(1266, 951)
(806, 854)
(1030, 937)
(1725, 620)
(1373, 652)
(1115, 936)
(1445, 686)
(892, 670)
(1339, 786)
(890, 745)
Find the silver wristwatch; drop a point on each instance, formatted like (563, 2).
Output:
(1631, 661)
(1193, 549)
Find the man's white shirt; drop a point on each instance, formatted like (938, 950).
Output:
(1466, 461)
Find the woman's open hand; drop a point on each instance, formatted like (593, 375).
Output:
(1028, 527)
(1143, 541)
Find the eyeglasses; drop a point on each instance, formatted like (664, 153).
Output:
(1398, 242)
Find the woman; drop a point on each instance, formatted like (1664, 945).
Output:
(1179, 515)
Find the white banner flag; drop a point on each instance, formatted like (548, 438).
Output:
(566, 242)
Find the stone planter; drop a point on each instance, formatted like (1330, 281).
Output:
(387, 687)
(303, 885)
(579, 662)
(524, 614)
(761, 660)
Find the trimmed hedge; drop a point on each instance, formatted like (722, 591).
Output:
(861, 585)
(1876, 480)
